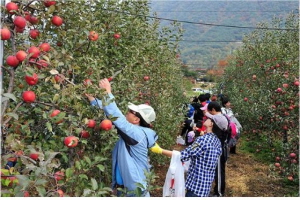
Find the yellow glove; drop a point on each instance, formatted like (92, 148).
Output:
(156, 149)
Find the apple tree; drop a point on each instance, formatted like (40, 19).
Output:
(53, 142)
(262, 81)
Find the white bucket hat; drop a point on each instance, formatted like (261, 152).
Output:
(146, 111)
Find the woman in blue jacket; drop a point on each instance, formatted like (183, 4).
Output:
(130, 154)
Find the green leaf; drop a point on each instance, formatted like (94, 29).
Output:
(14, 115)
(101, 167)
(83, 176)
(51, 9)
(41, 191)
(69, 172)
(41, 182)
(10, 95)
(88, 160)
(87, 192)
(77, 165)
(94, 184)
(49, 126)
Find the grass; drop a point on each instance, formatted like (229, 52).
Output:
(261, 151)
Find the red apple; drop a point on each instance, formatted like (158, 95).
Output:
(279, 90)
(32, 80)
(292, 155)
(45, 47)
(42, 64)
(56, 20)
(87, 82)
(110, 79)
(21, 55)
(33, 33)
(93, 36)
(12, 159)
(26, 194)
(58, 79)
(59, 44)
(60, 193)
(33, 20)
(71, 141)
(277, 164)
(294, 161)
(84, 134)
(49, 3)
(146, 78)
(34, 156)
(20, 22)
(27, 15)
(285, 85)
(34, 51)
(19, 30)
(296, 83)
(12, 61)
(59, 175)
(290, 178)
(245, 99)
(106, 124)
(254, 76)
(11, 7)
(5, 33)
(28, 96)
(91, 123)
(117, 36)
(54, 113)
(19, 153)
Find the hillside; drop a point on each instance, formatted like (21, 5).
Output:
(205, 44)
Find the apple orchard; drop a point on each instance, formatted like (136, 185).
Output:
(54, 53)
(57, 51)
(262, 80)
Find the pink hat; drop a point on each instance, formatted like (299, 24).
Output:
(204, 107)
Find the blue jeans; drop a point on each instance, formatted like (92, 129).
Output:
(189, 193)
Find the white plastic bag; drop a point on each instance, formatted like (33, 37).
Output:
(174, 183)
(186, 165)
(180, 140)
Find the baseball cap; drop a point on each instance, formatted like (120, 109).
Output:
(219, 119)
(204, 107)
(146, 111)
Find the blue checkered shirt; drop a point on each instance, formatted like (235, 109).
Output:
(203, 155)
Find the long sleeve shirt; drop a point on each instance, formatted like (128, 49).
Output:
(130, 153)
(203, 155)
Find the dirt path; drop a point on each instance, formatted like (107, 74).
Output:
(245, 177)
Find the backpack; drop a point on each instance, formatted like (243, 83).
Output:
(228, 132)
(232, 134)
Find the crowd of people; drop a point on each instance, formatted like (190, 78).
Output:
(206, 138)
(211, 131)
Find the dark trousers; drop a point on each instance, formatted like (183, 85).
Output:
(233, 149)
(219, 189)
(185, 129)
(189, 193)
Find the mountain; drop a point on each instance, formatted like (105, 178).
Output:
(214, 29)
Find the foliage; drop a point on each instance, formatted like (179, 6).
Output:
(141, 50)
(262, 82)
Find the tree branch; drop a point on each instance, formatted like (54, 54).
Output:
(14, 111)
